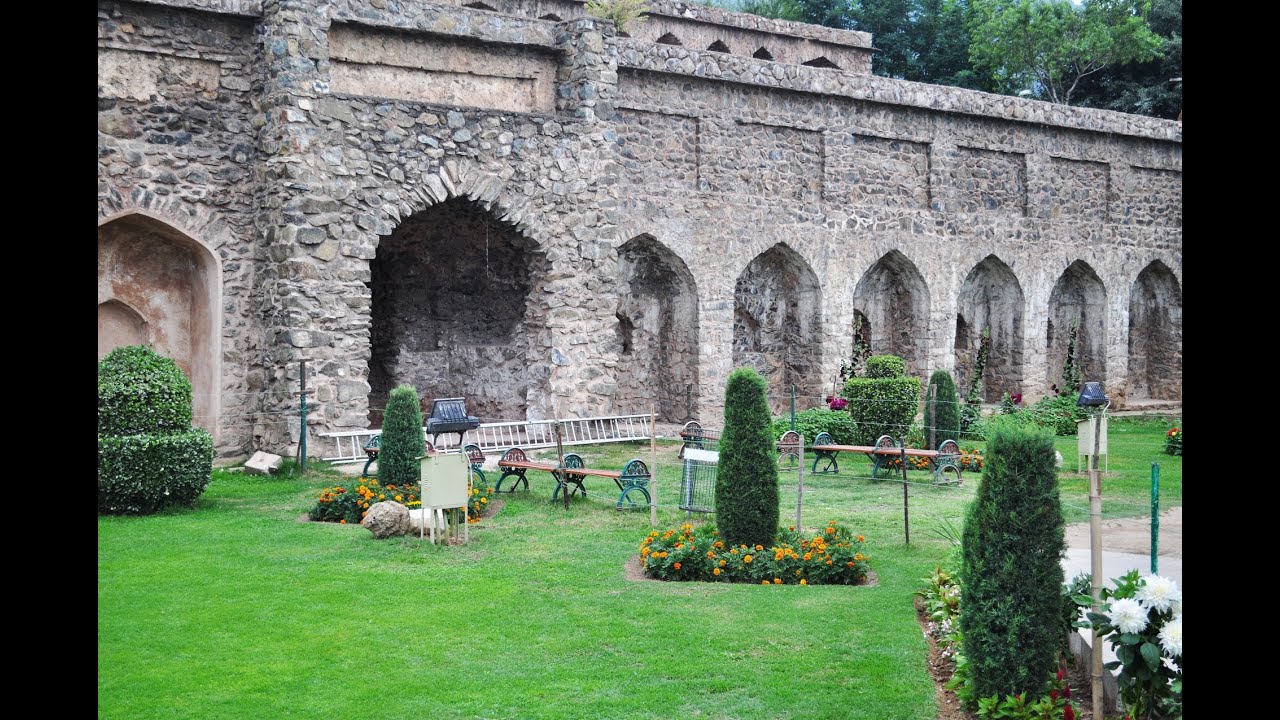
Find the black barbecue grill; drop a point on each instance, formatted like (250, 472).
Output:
(449, 415)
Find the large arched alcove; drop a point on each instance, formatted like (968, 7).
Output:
(1155, 335)
(777, 324)
(159, 286)
(893, 299)
(453, 315)
(1078, 304)
(657, 331)
(990, 302)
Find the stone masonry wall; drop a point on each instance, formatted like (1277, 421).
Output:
(247, 128)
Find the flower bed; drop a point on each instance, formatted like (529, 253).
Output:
(344, 505)
(970, 460)
(832, 557)
(1173, 442)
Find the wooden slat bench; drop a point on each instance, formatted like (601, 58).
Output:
(375, 442)
(632, 482)
(696, 436)
(945, 459)
(475, 457)
(515, 463)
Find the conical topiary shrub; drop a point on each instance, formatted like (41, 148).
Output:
(402, 440)
(149, 456)
(1013, 546)
(747, 478)
(942, 412)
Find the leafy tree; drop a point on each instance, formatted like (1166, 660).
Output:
(1047, 47)
(1153, 87)
(747, 480)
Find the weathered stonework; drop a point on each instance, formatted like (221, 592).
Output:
(553, 220)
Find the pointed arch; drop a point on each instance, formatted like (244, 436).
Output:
(894, 299)
(991, 302)
(481, 6)
(668, 39)
(762, 53)
(1155, 335)
(455, 313)
(718, 46)
(552, 17)
(1077, 308)
(777, 323)
(657, 331)
(822, 61)
(161, 286)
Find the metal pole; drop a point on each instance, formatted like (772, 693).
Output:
(1155, 516)
(1095, 552)
(653, 471)
(906, 511)
(793, 407)
(302, 445)
(800, 488)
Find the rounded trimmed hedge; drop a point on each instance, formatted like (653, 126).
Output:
(141, 392)
(139, 474)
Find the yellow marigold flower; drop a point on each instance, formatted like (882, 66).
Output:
(798, 573)
(858, 556)
(759, 548)
(399, 498)
(734, 551)
(746, 559)
(764, 582)
(644, 552)
(804, 582)
(723, 563)
(715, 571)
(484, 500)
(382, 497)
(653, 534)
(777, 556)
(777, 581)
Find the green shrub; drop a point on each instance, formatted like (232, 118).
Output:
(818, 420)
(882, 406)
(747, 478)
(402, 439)
(832, 556)
(625, 14)
(943, 413)
(139, 474)
(1058, 413)
(149, 456)
(886, 366)
(141, 392)
(1013, 544)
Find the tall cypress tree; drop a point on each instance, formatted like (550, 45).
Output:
(1013, 546)
(943, 413)
(747, 478)
(402, 439)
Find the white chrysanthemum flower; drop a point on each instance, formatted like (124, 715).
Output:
(1171, 637)
(1158, 593)
(1128, 615)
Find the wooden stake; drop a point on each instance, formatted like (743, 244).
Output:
(653, 467)
(906, 511)
(800, 487)
(560, 474)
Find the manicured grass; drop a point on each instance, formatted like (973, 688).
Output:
(236, 609)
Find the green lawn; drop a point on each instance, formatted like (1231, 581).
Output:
(237, 610)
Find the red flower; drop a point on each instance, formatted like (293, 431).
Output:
(1066, 691)
(1068, 713)
(1053, 694)
(1060, 673)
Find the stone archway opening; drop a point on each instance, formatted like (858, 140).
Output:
(1078, 306)
(657, 332)
(159, 286)
(777, 325)
(991, 302)
(893, 298)
(454, 314)
(1155, 335)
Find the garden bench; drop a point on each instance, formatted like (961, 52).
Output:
(789, 450)
(633, 480)
(945, 458)
(515, 463)
(371, 450)
(696, 436)
(475, 457)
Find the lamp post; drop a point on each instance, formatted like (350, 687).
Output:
(1096, 401)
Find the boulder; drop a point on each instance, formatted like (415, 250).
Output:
(387, 519)
(263, 463)
(1057, 460)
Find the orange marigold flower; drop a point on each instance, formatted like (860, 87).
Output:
(723, 563)
(676, 566)
(343, 521)
(777, 581)
(831, 530)
(759, 548)
(746, 559)
(808, 556)
(850, 563)
(644, 552)
(861, 539)
(679, 545)
(857, 556)
(715, 571)
(764, 582)
(710, 554)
